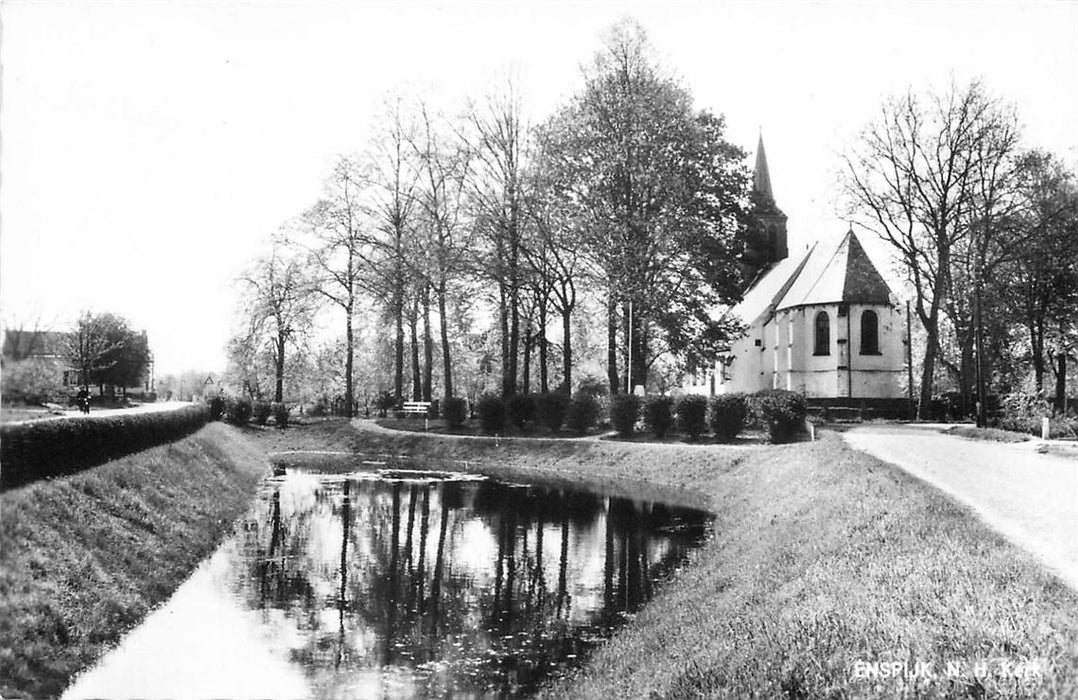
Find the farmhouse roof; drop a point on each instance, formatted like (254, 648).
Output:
(20, 344)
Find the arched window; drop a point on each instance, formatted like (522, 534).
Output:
(823, 334)
(870, 333)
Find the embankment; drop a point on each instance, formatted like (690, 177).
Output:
(85, 557)
(822, 559)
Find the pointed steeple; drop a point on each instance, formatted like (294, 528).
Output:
(762, 176)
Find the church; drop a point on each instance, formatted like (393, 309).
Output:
(823, 323)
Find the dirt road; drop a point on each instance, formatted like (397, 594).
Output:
(1031, 498)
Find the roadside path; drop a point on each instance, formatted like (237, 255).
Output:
(1030, 498)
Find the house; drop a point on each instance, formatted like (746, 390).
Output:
(47, 348)
(823, 322)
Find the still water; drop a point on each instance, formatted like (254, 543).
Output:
(393, 582)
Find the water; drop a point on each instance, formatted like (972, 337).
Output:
(401, 583)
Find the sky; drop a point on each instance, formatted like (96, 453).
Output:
(149, 149)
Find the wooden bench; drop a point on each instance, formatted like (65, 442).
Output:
(417, 407)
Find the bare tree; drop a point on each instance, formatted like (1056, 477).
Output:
(281, 306)
(910, 179)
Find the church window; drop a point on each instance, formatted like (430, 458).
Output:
(870, 333)
(823, 334)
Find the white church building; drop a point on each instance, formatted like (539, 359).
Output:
(823, 323)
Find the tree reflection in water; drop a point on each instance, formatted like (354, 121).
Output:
(406, 585)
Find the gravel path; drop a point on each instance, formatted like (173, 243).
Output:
(1031, 498)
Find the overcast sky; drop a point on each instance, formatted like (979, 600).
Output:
(150, 148)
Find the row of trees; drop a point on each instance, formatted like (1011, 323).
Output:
(627, 200)
(986, 231)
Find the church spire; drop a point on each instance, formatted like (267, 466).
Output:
(762, 178)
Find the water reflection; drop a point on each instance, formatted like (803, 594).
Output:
(406, 584)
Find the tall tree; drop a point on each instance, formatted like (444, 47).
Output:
(281, 305)
(909, 178)
(340, 248)
(654, 185)
(500, 145)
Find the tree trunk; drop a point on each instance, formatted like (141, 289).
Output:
(567, 350)
(447, 366)
(1061, 382)
(278, 393)
(398, 344)
(428, 347)
(417, 378)
(543, 388)
(525, 381)
(350, 350)
(612, 344)
(508, 380)
(1036, 345)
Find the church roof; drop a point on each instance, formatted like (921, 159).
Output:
(761, 181)
(843, 275)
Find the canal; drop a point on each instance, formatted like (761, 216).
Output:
(385, 579)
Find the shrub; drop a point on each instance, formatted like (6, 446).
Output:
(456, 411)
(659, 415)
(728, 415)
(583, 413)
(320, 408)
(520, 409)
(593, 386)
(1023, 413)
(217, 407)
(692, 415)
(783, 412)
(624, 410)
(491, 411)
(39, 449)
(551, 410)
(237, 411)
(281, 414)
(260, 412)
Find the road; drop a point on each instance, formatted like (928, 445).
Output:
(1030, 498)
(66, 412)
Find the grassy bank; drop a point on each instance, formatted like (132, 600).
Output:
(85, 557)
(822, 558)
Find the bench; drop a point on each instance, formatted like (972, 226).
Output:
(417, 407)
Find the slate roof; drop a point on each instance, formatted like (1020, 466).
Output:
(23, 344)
(844, 275)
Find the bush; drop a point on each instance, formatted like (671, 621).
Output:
(39, 449)
(520, 409)
(320, 408)
(583, 413)
(456, 411)
(237, 411)
(728, 415)
(593, 386)
(692, 415)
(281, 414)
(659, 415)
(260, 412)
(216, 407)
(1023, 413)
(783, 412)
(624, 410)
(491, 411)
(551, 410)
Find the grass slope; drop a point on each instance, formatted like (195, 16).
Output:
(85, 557)
(822, 557)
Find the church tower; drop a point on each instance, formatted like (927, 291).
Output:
(770, 218)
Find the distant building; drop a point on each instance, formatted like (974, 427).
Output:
(39, 346)
(823, 323)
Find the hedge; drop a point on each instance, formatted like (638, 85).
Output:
(551, 410)
(728, 415)
(456, 411)
(624, 411)
(491, 410)
(659, 415)
(692, 415)
(61, 446)
(520, 408)
(583, 413)
(783, 412)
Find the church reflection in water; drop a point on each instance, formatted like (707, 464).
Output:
(405, 584)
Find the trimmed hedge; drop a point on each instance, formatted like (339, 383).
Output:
(491, 410)
(583, 413)
(261, 412)
(783, 412)
(281, 414)
(58, 447)
(728, 415)
(692, 415)
(456, 411)
(659, 415)
(624, 410)
(551, 409)
(237, 411)
(520, 408)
